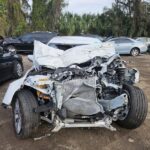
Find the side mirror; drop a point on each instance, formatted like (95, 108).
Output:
(30, 58)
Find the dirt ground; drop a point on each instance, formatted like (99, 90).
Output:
(83, 139)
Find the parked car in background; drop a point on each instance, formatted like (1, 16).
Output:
(145, 40)
(24, 43)
(11, 65)
(130, 46)
(67, 42)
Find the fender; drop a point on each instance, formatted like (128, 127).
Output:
(13, 88)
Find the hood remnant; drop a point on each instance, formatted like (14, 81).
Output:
(54, 58)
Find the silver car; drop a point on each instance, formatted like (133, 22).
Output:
(130, 46)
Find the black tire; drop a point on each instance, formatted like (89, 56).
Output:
(138, 107)
(29, 119)
(18, 70)
(135, 52)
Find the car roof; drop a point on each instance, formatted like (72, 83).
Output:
(121, 38)
(93, 36)
(40, 32)
(74, 40)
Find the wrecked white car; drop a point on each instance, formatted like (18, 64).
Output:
(86, 86)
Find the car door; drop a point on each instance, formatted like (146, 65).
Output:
(6, 66)
(117, 45)
(123, 46)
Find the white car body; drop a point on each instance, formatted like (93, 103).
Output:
(53, 58)
(78, 96)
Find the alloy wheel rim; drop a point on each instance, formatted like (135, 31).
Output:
(135, 52)
(19, 70)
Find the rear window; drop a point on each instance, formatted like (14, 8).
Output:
(62, 47)
(115, 40)
(125, 41)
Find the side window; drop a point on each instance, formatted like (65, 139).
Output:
(125, 41)
(117, 41)
(37, 37)
(40, 37)
(64, 47)
(26, 37)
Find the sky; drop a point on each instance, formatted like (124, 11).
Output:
(87, 6)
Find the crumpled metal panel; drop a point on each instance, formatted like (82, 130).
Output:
(54, 58)
(79, 96)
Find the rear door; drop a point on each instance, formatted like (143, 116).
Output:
(125, 46)
(117, 45)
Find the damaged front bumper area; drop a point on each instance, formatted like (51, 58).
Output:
(85, 94)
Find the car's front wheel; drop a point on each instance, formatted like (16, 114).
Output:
(25, 120)
(137, 108)
(135, 52)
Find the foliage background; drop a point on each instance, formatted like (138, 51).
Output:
(125, 18)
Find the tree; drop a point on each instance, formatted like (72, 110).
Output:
(46, 13)
(3, 17)
(15, 17)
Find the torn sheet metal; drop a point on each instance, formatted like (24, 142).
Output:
(54, 58)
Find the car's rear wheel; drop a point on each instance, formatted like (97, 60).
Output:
(137, 108)
(25, 120)
(18, 69)
(135, 52)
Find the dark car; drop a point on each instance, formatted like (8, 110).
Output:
(11, 65)
(24, 43)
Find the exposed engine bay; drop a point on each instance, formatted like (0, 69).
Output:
(88, 92)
